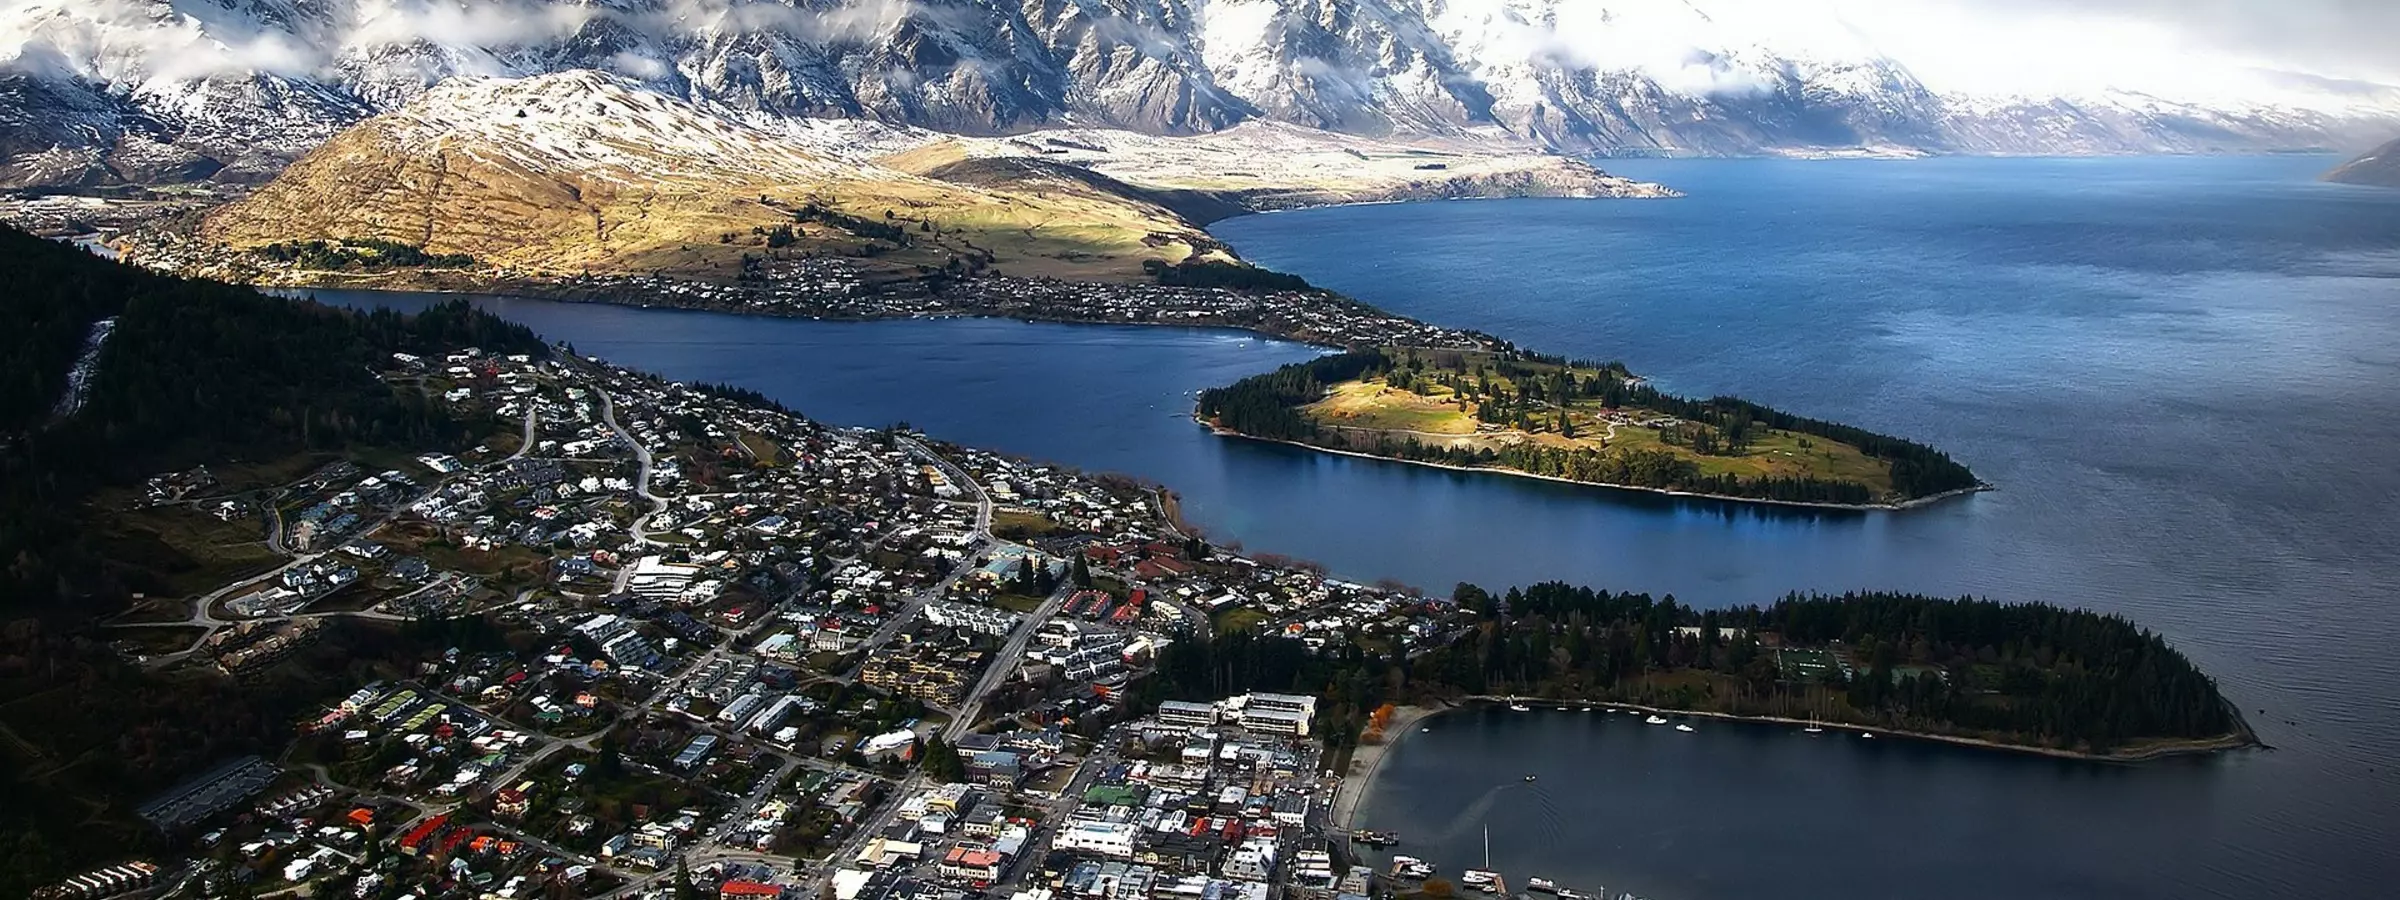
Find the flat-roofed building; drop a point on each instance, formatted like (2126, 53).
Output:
(1180, 712)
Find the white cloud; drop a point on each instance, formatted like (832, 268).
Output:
(461, 23)
(636, 65)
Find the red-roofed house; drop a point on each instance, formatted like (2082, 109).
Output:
(413, 842)
(748, 890)
(972, 863)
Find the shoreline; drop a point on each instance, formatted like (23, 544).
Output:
(2241, 738)
(537, 289)
(1230, 330)
(1903, 506)
(1369, 757)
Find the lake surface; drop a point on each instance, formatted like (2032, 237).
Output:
(2179, 372)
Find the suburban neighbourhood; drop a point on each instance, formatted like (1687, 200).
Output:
(683, 643)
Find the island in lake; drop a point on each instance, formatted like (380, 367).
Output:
(1513, 412)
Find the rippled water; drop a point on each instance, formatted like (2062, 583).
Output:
(2179, 372)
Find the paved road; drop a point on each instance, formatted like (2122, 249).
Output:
(978, 541)
(641, 455)
(203, 615)
(1003, 663)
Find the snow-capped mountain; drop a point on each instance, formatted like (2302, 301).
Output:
(101, 90)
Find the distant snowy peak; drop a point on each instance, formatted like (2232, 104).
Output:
(128, 89)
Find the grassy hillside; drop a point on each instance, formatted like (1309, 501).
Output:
(571, 174)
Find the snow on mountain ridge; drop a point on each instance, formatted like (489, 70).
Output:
(247, 82)
(595, 123)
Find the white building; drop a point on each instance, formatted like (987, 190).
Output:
(1103, 838)
(979, 619)
(1196, 715)
(1276, 713)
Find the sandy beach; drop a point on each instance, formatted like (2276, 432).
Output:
(1368, 758)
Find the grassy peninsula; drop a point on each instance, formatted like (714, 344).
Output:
(1521, 413)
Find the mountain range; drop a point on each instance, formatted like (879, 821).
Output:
(105, 91)
(557, 176)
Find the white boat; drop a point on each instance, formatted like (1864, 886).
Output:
(1562, 709)
(1812, 726)
(1484, 879)
(1425, 729)
(1656, 720)
(1541, 884)
(1866, 734)
(1518, 705)
(1411, 867)
(1683, 727)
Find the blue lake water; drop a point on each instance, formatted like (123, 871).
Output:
(2178, 371)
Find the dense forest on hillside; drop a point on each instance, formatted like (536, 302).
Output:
(194, 372)
(1267, 406)
(2031, 674)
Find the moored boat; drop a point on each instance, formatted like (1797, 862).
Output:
(1411, 868)
(1679, 726)
(1542, 885)
(1656, 720)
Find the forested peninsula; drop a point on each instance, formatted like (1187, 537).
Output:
(1514, 412)
(2031, 676)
